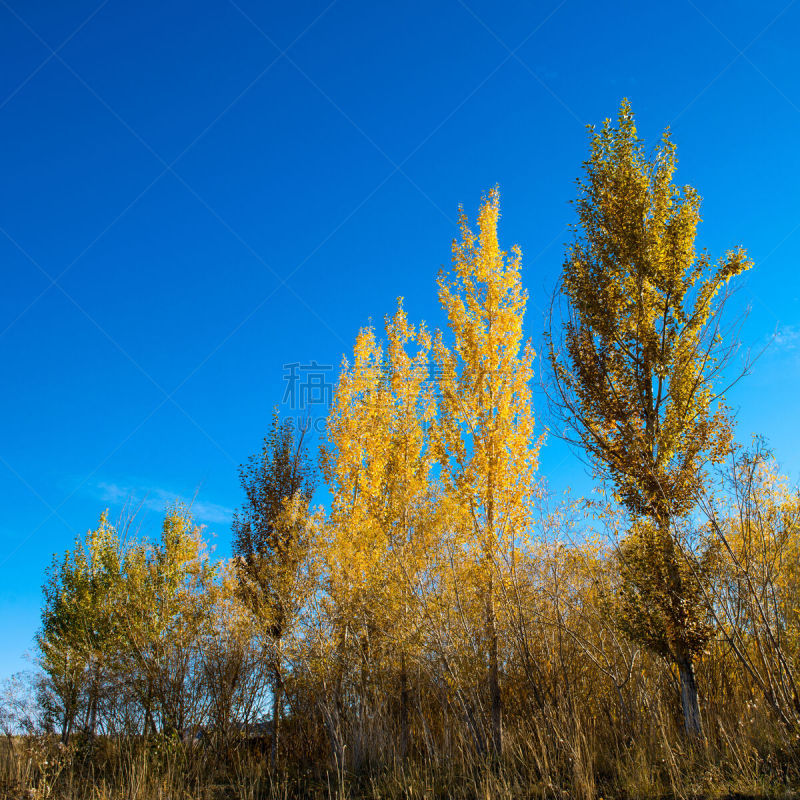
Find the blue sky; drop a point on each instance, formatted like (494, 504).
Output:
(196, 194)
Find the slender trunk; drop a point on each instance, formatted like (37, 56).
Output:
(93, 717)
(690, 704)
(94, 700)
(65, 727)
(496, 735)
(149, 724)
(404, 733)
(677, 633)
(277, 702)
(334, 715)
(494, 679)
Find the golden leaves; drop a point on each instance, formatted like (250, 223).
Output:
(484, 433)
(642, 350)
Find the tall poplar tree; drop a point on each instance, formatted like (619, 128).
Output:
(485, 429)
(377, 464)
(271, 541)
(637, 370)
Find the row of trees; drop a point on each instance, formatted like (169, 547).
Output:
(443, 609)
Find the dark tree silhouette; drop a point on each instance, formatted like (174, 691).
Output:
(270, 541)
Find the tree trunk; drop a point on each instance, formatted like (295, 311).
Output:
(676, 631)
(404, 734)
(496, 745)
(93, 700)
(93, 716)
(66, 726)
(494, 681)
(277, 701)
(148, 721)
(690, 704)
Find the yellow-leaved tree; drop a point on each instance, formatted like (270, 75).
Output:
(164, 618)
(484, 434)
(80, 623)
(635, 374)
(377, 464)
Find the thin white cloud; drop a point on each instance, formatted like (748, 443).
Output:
(787, 338)
(155, 498)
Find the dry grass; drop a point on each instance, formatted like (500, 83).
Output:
(535, 765)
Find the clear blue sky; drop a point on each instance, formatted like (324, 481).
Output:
(195, 194)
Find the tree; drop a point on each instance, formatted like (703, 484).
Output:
(756, 598)
(165, 616)
(484, 434)
(79, 624)
(643, 349)
(271, 541)
(377, 464)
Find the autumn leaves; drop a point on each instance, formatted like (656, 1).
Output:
(441, 611)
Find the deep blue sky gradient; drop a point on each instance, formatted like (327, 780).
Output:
(195, 194)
